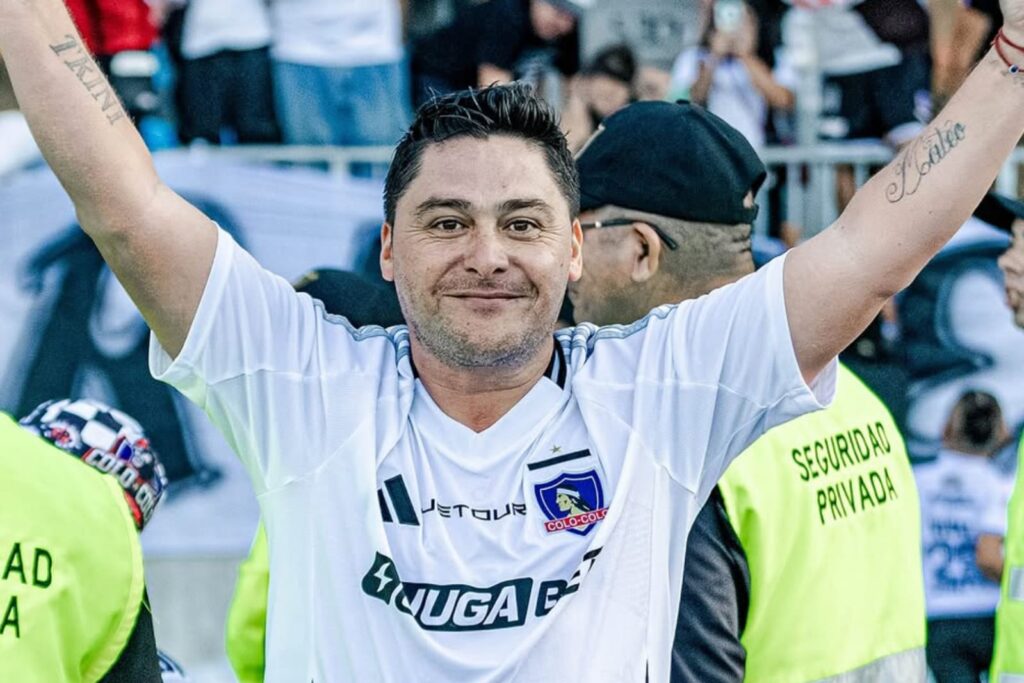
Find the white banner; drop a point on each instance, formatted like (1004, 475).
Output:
(70, 330)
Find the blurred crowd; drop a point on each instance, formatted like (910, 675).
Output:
(346, 72)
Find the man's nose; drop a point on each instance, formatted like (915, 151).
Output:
(486, 253)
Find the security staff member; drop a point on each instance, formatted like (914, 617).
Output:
(825, 512)
(1008, 656)
(805, 564)
(71, 578)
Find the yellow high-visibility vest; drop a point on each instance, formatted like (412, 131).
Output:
(826, 510)
(71, 577)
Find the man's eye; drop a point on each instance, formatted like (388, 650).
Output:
(448, 225)
(521, 227)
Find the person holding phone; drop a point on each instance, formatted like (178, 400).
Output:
(726, 75)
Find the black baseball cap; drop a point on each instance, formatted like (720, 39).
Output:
(670, 159)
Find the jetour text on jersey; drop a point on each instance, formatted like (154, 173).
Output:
(481, 514)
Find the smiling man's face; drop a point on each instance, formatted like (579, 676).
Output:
(481, 251)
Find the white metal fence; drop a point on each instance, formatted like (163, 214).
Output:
(805, 174)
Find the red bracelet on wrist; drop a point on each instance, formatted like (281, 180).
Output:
(1001, 37)
(1009, 42)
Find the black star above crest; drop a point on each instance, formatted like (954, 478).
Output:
(556, 449)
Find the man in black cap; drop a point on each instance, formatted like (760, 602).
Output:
(681, 231)
(692, 179)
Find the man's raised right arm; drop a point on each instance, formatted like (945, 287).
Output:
(160, 247)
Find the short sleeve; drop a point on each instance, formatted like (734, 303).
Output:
(284, 381)
(699, 382)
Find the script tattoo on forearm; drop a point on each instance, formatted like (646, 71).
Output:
(89, 75)
(921, 156)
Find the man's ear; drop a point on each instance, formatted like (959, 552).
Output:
(576, 253)
(387, 263)
(647, 253)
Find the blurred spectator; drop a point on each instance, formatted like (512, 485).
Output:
(875, 56)
(954, 490)
(109, 27)
(496, 41)
(17, 147)
(604, 87)
(120, 34)
(338, 71)
(726, 74)
(974, 29)
(224, 79)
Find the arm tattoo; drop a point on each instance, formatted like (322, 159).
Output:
(921, 156)
(89, 75)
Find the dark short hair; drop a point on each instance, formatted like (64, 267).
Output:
(511, 109)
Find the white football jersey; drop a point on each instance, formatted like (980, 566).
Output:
(956, 492)
(406, 547)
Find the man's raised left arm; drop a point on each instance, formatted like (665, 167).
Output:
(838, 281)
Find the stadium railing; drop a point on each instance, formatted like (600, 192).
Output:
(807, 173)
(809, 189)
(808, 199)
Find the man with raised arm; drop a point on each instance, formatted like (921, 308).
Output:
(410, 478)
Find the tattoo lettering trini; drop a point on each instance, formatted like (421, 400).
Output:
(89, 75)
(919, 158)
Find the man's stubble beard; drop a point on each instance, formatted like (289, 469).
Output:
(456, 350)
